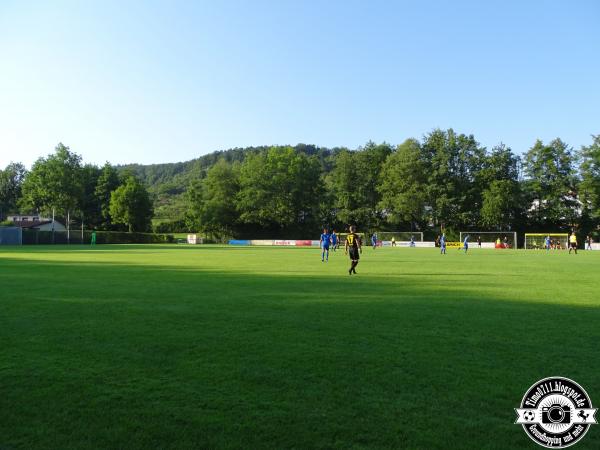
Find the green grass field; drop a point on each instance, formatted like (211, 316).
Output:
(224, 347)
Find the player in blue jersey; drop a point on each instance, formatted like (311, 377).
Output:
(374, 240)
(466, 243)
(548, 242)
(443, 244)
(324, 243)
(334, 240)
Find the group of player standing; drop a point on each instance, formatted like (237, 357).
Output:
(352, 247)
(555, 244)
(551, 244)
(328, 240)
(441, 241)
(375, 242)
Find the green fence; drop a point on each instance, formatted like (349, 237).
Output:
(33, 237)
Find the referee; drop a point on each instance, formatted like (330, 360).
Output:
(573, 242)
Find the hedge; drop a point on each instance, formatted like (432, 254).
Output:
(33, 237)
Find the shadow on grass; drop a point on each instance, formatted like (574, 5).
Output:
(79, 248)
(104, 355)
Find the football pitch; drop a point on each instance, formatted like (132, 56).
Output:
(170, 346)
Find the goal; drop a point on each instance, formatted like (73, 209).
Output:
(399, 236)
(342, 239)
(491, 239)
(535, 241)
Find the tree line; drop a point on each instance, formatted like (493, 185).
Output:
(444, 179)
(98, 197)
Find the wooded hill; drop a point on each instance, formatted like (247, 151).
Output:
(169, 182)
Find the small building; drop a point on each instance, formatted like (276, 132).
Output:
(35, 222)
(26, 218)
(47, 226)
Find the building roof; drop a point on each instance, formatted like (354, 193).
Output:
(30, 224)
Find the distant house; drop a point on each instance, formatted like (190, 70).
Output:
(26, 218)
(35, 222)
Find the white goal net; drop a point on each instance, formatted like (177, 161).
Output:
(551, 241)
(388, 238)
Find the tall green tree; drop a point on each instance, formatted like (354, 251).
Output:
(55, 182)
(589, 187)
(108, 181)
(453, 162)
(354, 182)
(500, 207)
(212, 201)
(550, 185)
(499, 164)
(279, 189)
(346, 198)
(403, 186)
(130, 205)
(89, 205)
(498, 180)
(11, 181)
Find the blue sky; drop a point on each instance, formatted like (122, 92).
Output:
(154, 82)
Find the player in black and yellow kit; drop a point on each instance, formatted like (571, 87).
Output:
(353, 248)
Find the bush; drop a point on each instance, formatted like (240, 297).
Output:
(102, 237)
(121, 237)
(175, 226)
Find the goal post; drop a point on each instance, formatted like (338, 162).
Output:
(491, 239)
(399, 236)
(535, 241)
